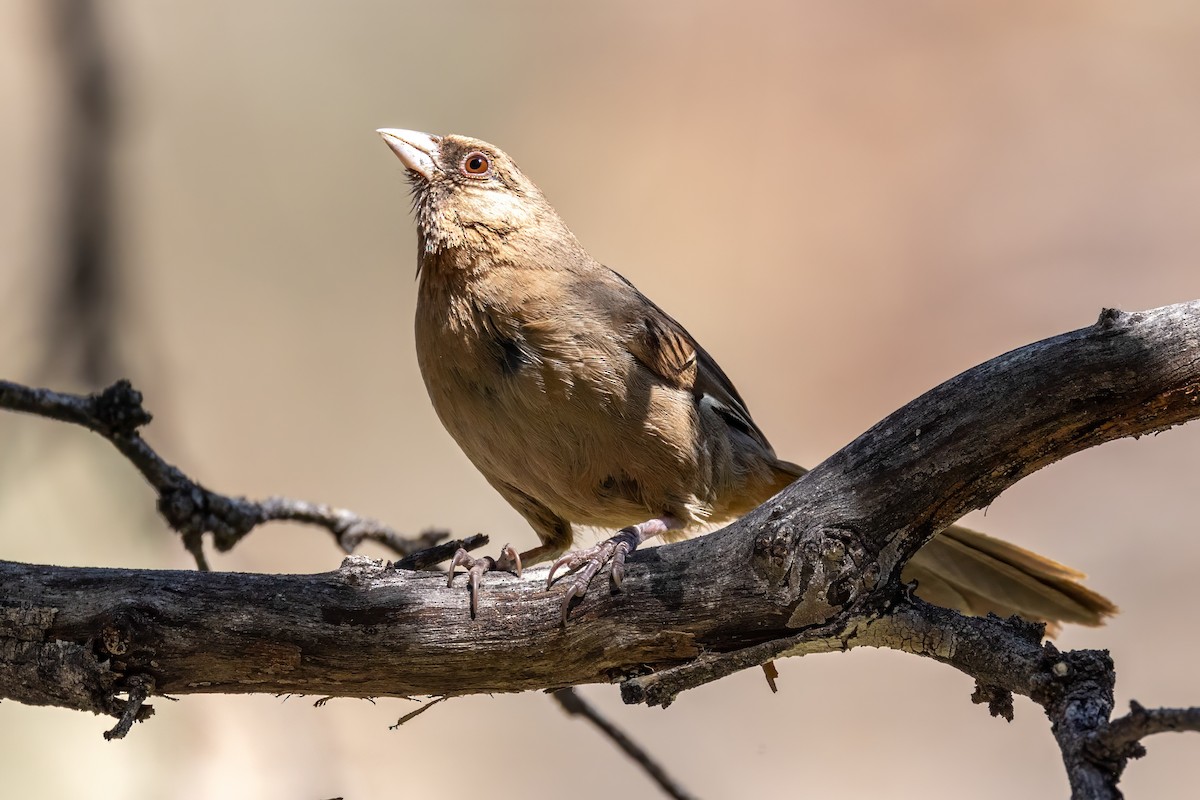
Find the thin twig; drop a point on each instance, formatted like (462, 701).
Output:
(140, 688)
(188, 507)
(424, 559)
(1128, 731)
(575, 705)
(418, 712)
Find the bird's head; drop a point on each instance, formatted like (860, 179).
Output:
(467, 193)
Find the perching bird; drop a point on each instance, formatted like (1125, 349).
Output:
(584, 403)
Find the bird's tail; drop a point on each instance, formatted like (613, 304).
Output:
(975, 573)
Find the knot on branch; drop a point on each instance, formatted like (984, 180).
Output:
(1063, 677)
(774, 552)
(1076, 689)
(1114, 320)
(191, 510)
(118, 409)
(823, 569)
(121, 637)
(359, 570)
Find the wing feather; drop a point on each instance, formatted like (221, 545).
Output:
(665, 348)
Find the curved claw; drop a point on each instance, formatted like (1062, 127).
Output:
(566, 603)
(461, 559)
(509, 561)
(480, 566)
(588, 563)
(562, 560)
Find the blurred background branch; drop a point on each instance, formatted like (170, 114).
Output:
(85, 302)
(574, 705)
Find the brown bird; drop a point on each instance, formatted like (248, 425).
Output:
(584, 403)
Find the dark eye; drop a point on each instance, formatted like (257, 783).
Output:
(476, 165)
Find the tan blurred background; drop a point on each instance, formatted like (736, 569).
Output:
(846, 202)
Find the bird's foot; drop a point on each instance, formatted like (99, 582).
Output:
(508, 561)
(582, 565)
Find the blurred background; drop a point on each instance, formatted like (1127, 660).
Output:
(847, 203)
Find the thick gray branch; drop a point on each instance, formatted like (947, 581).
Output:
(816, 568)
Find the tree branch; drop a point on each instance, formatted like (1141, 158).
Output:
(1124, 734)
(815, 569)
(188, 507)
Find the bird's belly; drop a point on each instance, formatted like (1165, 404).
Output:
(594, 455)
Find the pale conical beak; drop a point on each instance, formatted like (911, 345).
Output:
(418, 151)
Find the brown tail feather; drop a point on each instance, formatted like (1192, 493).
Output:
(786, 474)
(975, 573)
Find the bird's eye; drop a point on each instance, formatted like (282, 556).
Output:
(476, 165)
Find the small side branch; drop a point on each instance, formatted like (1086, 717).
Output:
(418, 712)
(190, 508)
(1124, 734)
(424, 559)
(140, 687)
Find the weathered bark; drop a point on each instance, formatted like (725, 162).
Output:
(816, 568)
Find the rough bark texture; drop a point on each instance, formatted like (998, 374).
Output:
(816, 568)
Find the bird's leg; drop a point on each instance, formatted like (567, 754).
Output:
(582, 565)
(508, 561)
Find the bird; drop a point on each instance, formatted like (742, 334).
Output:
(586, 405)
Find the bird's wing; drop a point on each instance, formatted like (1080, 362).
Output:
(665, 347)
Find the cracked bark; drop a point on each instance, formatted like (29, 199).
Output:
(815, 569)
